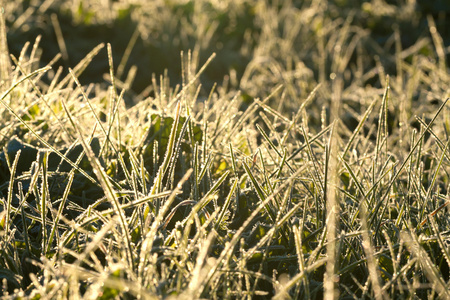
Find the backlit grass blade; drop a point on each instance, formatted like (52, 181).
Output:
(31, 129)
(355, 179)
(16, 84)
(106, 186)
(440, 143)
(169, 152)
(227, 203)
(85, 97)
(43, 164)
(127, 53)
(425, 264)
(394, 178)
(305, 103)
(176, 152)
(444, 248)
(62, 204)
(249, 112)
(382, 132)
(196, 166)
(283, 162)
(206, 166)
(372, 260)
(359, 127)
(10, 195)
(264, 172)
(233, 160)
(80, 67)
(42, 97)
(300, 257)
(227, 252)
(315, 138)
(436, 172)
(261, 194)
(313, 159)
(208, 196)
(284, 293)
(108, 212)
(266, 137)
(149, 238)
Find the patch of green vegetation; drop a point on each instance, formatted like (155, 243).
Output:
(307, 157)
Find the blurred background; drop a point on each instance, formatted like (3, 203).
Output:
(259, 44)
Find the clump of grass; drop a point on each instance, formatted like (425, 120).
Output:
(311, 174)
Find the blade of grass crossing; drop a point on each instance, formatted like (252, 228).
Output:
(33, 180)
(80, 67)
(315, 138)
(31, 129)
(359, 127)
(355, 179)
(264, 173)
(395, 176)
(60, 211)
(408, 186)
(135, 170)
(312, 158)
(305, 103)
(114, 107)
(236, 176)
(266, 137)
(226, 254)
(425, 264)
(438, 140)
(192, 81)
(106, 186)
(433, 181)
(147, 243)
(249, 112)
(227, 203)
(444, 249)
(108, 212)
(260, 192)
(278, 172)
(25, 231)
(436, 172)
(16, 84)
(208, 196)
(43, 98)
(205, 168)
(10, 194)
(85, 97)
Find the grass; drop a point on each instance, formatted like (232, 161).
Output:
(292, 151)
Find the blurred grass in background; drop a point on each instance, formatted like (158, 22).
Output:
(248, 36)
